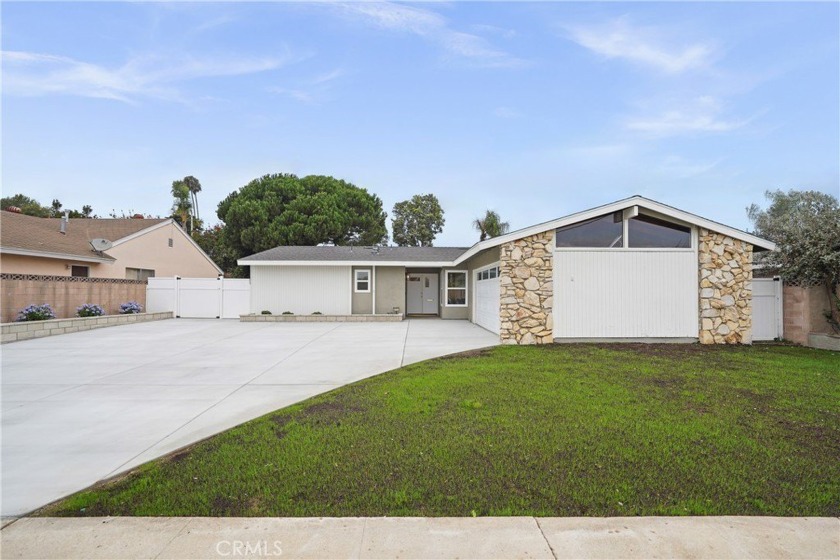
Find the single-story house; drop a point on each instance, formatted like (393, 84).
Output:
(134, 249)
(634, 269)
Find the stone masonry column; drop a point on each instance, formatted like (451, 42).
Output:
(725, 271)
(526, 278)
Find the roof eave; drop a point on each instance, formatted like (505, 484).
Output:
(53, 255)
(408, 264)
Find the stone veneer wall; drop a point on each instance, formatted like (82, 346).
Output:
(725, 289)
(526, 283)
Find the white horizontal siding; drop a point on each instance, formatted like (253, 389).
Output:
(301, 289)
(625, 294)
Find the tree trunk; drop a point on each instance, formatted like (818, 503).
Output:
(833, 305)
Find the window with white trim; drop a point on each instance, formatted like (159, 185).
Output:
(362, 281)
(456, 288)
(487, 273)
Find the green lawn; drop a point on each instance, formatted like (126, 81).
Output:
(598, 430)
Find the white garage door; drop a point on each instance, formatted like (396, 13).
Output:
(625, 294)
(486, 299)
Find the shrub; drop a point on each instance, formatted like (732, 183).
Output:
(36, 313)
(265, 312)
(288, 313)
(89, 310)
(130, 307)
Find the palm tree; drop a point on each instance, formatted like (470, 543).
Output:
(182, 207)
(491, 225)
(195, 187)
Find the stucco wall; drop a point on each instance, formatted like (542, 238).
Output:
(390, 289)
(362, 301)
(152, 251)
(20, 264)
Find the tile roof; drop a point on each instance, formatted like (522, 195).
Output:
(349, 253)
(19, 231)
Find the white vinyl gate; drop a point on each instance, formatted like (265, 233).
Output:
(487, 299)
(767, 308)
(199, 298)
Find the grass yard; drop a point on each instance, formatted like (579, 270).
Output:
(568, 430)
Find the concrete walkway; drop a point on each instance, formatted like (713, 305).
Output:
(486, 538)
(81, 407)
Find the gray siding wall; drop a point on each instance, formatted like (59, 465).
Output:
(301, 289)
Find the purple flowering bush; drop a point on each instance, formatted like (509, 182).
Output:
(130, 307)
(36, 313)
(89, 310)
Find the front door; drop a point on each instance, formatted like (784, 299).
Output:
(421, 294)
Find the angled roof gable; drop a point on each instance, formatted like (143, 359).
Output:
(616, 206)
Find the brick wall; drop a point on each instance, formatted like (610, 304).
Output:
(66, 293)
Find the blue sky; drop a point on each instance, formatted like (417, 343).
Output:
(535, 110)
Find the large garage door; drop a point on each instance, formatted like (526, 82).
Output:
(625, 294)
(486, 299)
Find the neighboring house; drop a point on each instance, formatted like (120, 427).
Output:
(632, 269)
(140, 248)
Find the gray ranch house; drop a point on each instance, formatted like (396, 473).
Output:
(634, 269)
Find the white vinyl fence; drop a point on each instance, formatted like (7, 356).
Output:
(767, 308)
(197, 298)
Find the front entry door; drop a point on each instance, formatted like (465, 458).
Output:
(421, 294)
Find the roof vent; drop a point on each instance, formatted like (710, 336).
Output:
(64, 219)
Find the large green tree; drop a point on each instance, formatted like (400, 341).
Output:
(213, 242)
(805, 225)
(417, 221)
(491, 225)
(284, 209)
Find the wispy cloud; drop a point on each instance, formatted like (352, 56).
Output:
(701, 115)
(311, 91)
(680, 167)
(506, 113)
(431, 26)
(150, 76)
(618, 39)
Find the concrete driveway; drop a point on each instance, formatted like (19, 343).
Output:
(78, 408)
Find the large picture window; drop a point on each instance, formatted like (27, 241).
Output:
(608, 232)
(647, 231)
(456, 288)
(603, 231)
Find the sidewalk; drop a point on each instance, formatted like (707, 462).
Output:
(499, 537)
